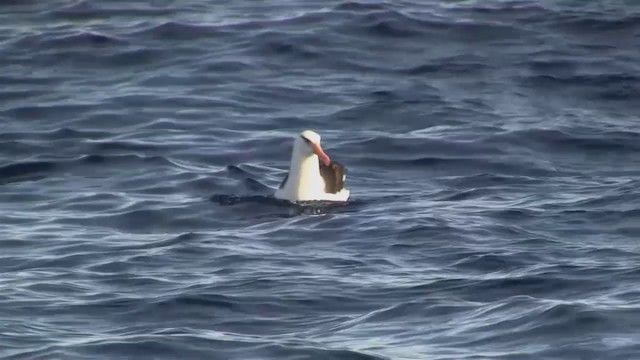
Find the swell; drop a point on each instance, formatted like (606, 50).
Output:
(25, 171)
(597, 22)
(587, 79)
(621, 86)
(37, 112)
(84, 9)
(63, 133)
(572, 319)
(35, 170)
(173, 30)
(389, 22)
(182, 342)
(449, 156)
(44, 41)
(592, 140)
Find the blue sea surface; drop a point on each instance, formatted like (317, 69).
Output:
(492, 152)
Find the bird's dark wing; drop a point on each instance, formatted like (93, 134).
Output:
(333, 175)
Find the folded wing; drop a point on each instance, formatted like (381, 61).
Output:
(334, 176)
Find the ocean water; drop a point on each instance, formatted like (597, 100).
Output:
(493, 156)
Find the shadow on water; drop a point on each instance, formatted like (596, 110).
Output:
(300, 208)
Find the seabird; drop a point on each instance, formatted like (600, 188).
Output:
(312, 175)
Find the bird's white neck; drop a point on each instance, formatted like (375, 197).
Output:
(304, 175)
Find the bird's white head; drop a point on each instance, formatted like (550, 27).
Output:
(308, 143)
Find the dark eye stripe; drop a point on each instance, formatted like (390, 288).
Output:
(305, 139)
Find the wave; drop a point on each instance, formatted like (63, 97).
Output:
(598, 80)
(451, 65)
(507, 8)
(182, 342)
(582, 23)
(63, 133)
(118, 146)
(280, 43)
(173, 30)
(120, 159)
(85, 9)
(568, 139)
(31, 170)
(359, 7)
(39, 111)
(43, 41)
(23, 171)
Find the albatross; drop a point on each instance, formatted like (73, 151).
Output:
(312, 175)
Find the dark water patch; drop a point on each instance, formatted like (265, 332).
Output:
(557, 139)
(88, 10)
(20, 149)
(63, 133)
(389, 23)
(605, 86)
(237, 171)
(104, 60)
(456, 165)
(226, 66)
(575, 319)
(31, 80)
(581, 24)
(359, 7)
(284, 44)
(292, 23)
(196, 346)
(503, 9)
(281, 208)
(182, 239)
(392, 23)
(119, 146)
(493, 262)
(491, 180)
(256, 186)
(84, 40)
(407, 145)
(93, 203)
(11, 3)
(178, 31)
(417, 231)
(210, 301)
(559, 319)
(11, 94)
(24, 171)
(69, 133)
(126, 58)
(169, 100)
(136, 219)
(390, 29)
(516, 214)
(123, 159)
(587, 212)
(67, 261)
(41, 112)
(466, 195)
(456, 65)
(540, 285)
(556, 67)
(223, 199)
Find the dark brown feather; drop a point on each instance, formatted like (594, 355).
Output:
(333, 176)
